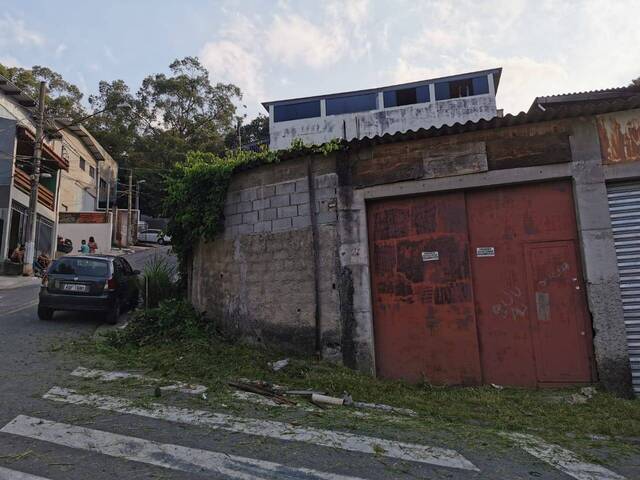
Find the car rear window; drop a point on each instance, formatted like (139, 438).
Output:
(80, 266)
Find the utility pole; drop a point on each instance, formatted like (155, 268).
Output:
(129, 237)
(27, 267)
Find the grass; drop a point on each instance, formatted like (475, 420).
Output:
(204, 357)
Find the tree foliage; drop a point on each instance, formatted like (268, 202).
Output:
(170, 115)
(196, 190)
(63, 98)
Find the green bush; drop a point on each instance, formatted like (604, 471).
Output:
(157, 282)
(173, 320)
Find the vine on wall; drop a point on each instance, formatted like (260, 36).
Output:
(196, 190)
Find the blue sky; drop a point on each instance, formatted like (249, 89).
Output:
(282, 49)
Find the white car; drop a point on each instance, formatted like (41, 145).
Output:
(154, 236)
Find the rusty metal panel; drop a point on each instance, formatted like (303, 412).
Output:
(504, 221)
(558, 324)
(620, 137)
(424, 320)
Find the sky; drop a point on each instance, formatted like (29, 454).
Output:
(282, 49)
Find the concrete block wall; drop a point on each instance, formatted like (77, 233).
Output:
(257, 279)
(280, 207)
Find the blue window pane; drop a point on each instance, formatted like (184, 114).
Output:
(390, 98)
(295, 111)
(442, 91)
(480, 85)
(422, 94)
(350, 104)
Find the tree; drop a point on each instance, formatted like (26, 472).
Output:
(63, 98)
(256, 131)
(170, 115)
(187, 105)
(635, 83)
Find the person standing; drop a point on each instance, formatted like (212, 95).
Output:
(93, 246)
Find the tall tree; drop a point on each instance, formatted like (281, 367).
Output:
(64, 99)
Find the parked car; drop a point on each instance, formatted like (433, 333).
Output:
(153, 235)
(89, 283)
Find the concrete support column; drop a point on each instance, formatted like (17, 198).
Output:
(599, 260)
(353, 274)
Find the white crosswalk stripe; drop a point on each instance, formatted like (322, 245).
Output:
(562, 459)
(271, 429)
(106, 376)
(165, 455)
(8, 474)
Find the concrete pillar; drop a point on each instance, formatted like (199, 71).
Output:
(599, 259)
(353, 274)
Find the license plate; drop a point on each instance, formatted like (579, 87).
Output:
(74, 287)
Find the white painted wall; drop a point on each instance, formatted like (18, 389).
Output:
(322, 129)
(82, 231)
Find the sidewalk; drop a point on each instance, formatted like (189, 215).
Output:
(8, 282)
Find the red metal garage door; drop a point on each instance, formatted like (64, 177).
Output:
(425, 324)
(530, 305)
(514, 250)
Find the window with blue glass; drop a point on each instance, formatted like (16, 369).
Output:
(351, 103)
(462, 88)
(296, 111)
(406, 96)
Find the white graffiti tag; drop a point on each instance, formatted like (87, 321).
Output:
(510, 304)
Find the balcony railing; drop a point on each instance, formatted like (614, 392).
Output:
(22, 182)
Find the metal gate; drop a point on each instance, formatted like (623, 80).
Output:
(480, 286)
(624, 206)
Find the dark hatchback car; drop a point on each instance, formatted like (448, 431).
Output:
(89, 283)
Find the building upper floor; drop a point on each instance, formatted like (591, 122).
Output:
(85, 167)
(378, 111)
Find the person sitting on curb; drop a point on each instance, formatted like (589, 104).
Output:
(93, 246)
(18, 254)
(84, 248)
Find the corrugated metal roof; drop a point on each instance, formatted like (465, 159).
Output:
(16, 93)
(570, 110)
(533, 116)
(98, 152)
(552, 101)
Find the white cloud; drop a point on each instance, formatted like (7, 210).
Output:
(295, 41)
(9, 61)
(229, 62)
(13, 31)
(544, 47)
(109, 54)
(340, 31)
(60, 49)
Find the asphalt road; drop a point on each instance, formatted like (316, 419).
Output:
(49, 431)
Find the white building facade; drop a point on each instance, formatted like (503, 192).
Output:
(376, 112)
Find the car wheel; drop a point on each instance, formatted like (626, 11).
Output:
(45, 313)
(160, 241)
(113, 314)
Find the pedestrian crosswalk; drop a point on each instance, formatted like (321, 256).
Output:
(221, 464)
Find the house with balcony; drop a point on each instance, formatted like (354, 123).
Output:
(90, 181)
(17, 141)
(384, 110)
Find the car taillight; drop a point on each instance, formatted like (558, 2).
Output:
(110, 284)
